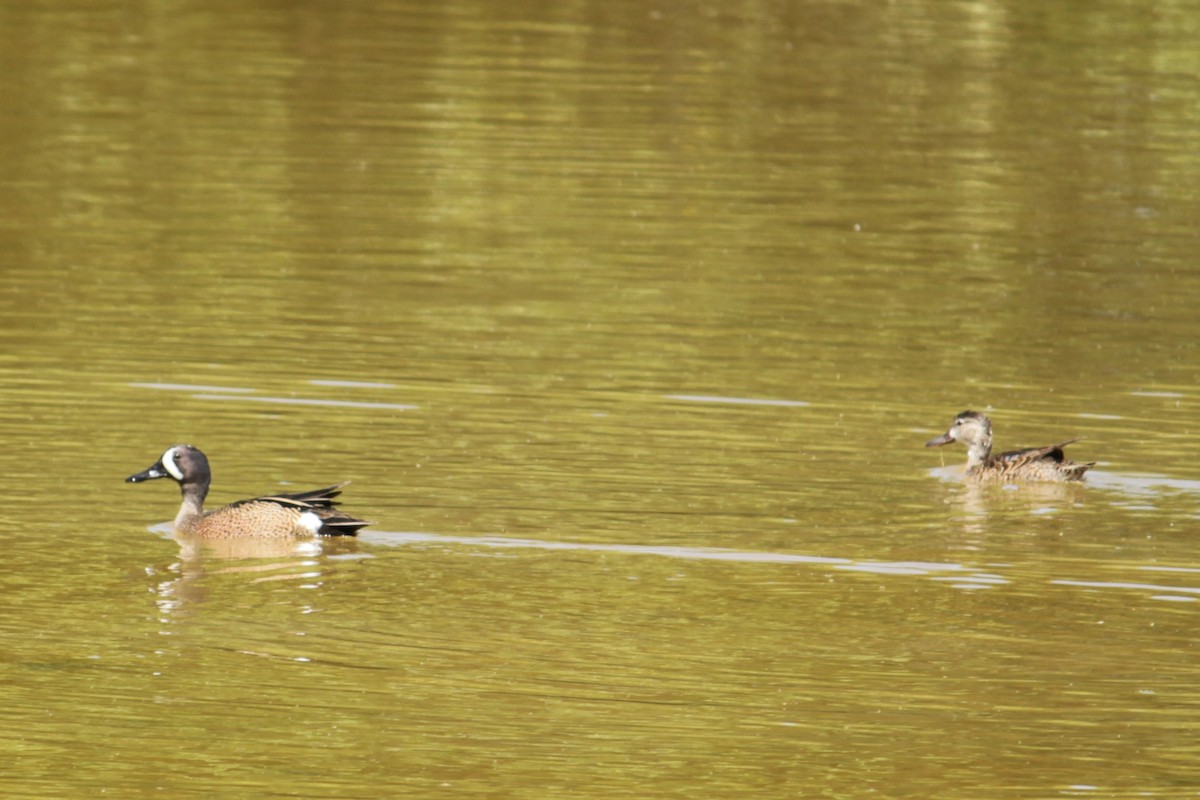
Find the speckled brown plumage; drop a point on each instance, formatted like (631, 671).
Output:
(1033, 464)
(303, 514)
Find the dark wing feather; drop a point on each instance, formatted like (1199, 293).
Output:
(342, 526)
(314, 498)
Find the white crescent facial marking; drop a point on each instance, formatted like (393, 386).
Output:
(309, 521)
(168, 462)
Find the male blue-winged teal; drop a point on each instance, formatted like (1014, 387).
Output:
(303, 514)
(1031, 464)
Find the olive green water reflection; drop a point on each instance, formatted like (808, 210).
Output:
(627, 324)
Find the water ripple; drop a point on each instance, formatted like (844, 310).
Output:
(308, 401)
(745, 401)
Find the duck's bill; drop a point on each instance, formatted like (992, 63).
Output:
(154, 471)
(945, 438)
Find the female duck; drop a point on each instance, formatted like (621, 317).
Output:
(1029, 465)
(303, 514)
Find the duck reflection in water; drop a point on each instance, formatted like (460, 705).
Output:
(275, 537)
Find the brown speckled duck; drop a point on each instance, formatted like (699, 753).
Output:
(300, 515)
(1033, 464)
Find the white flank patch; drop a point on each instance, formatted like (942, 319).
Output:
(310, 522)
(168, 462)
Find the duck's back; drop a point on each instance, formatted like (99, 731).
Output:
(302, 514)
(1041, 464)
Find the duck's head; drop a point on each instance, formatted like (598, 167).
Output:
(972, 429)
(184, 464)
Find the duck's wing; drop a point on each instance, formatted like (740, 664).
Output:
(312, 499)
(1051, 452)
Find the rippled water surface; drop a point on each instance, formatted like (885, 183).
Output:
(628, 324)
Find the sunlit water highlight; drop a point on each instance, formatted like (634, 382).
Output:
(247, 395)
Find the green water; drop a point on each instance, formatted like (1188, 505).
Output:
(627, 324)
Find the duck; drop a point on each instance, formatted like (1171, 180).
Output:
(1032, 464)
(299, 515)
